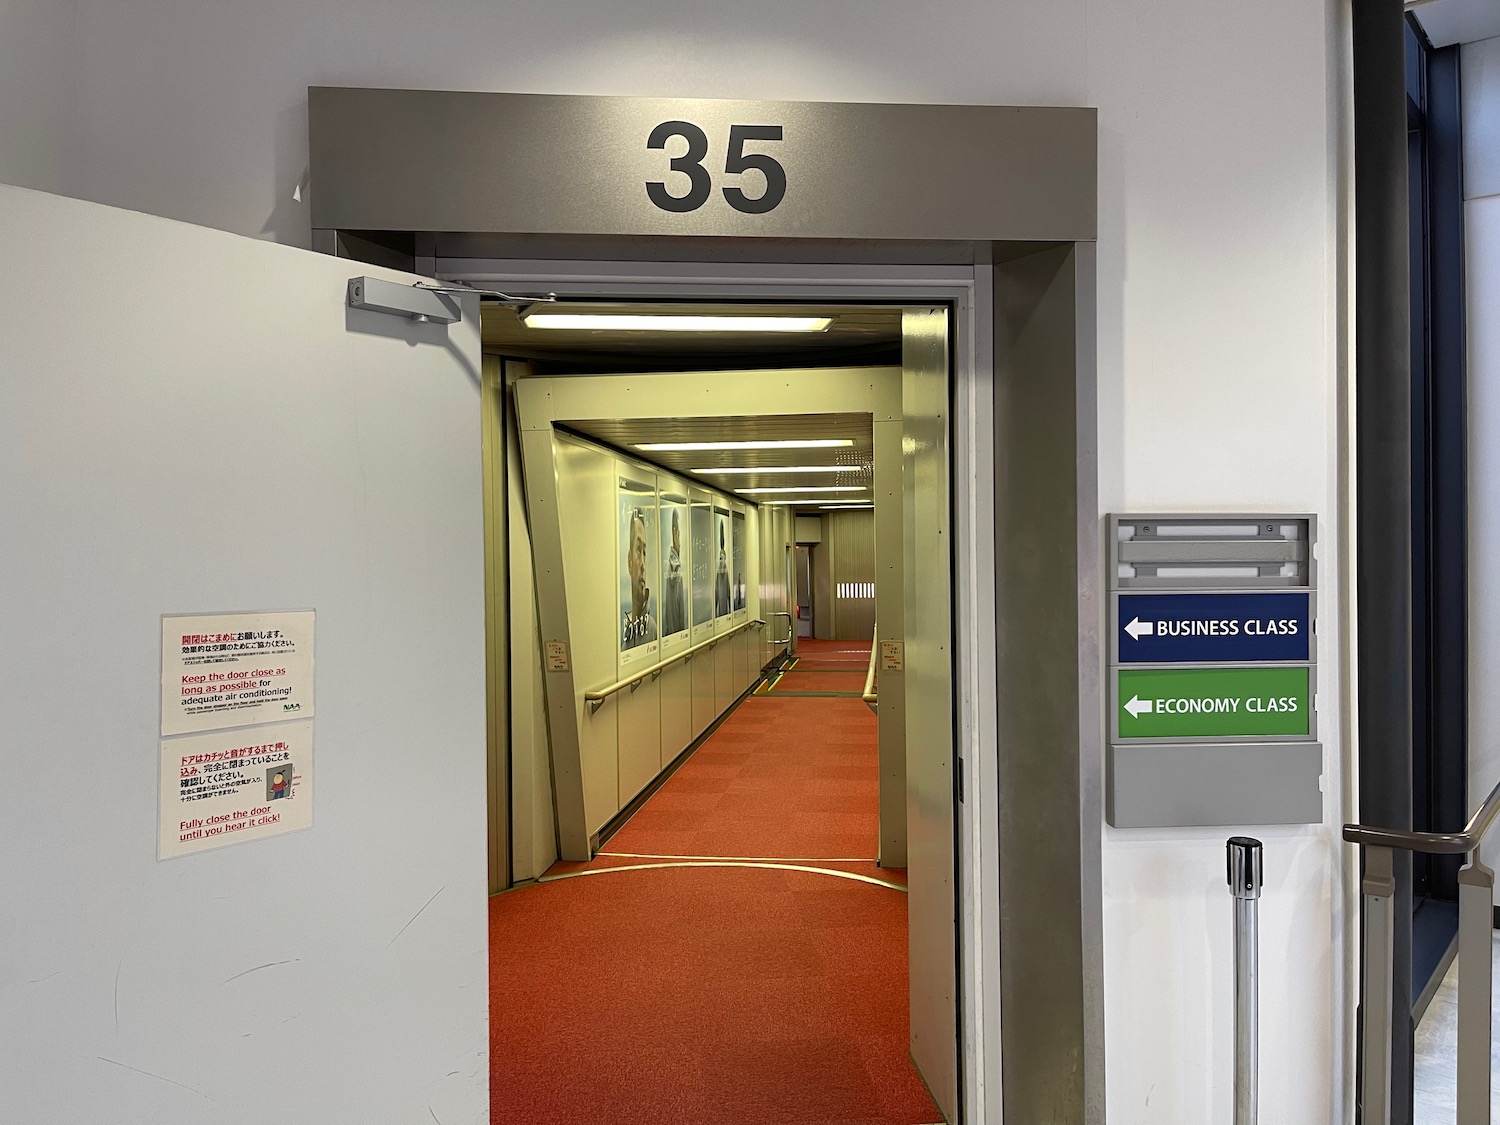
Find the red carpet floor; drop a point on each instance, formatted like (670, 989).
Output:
(726, 995)
(815, 654)
(701, 996)
(850, 681)
(781, 778)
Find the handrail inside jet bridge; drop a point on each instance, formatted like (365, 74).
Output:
(597, 697)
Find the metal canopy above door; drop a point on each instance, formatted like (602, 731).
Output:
(435, 161)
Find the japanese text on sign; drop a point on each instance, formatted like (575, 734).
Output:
(235, 669)
(225, 787)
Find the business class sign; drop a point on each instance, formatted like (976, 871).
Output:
(413, 160)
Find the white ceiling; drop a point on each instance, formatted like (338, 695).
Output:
(855, 461)
(1447, 22)
(859, 334)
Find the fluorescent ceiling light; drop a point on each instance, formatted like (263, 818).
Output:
(662, 322)
(703, 446)
(805, 488)
(846, 507)
(744, 470)
(805, 502)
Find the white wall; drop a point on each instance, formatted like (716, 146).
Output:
(1216, 326)
(1479, 72)
(198, 111)
(190, 425)
(1218, 391)
(38, 110)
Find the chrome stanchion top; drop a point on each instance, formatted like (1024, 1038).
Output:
(1244, 866)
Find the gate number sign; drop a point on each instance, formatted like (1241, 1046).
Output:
(700, 183)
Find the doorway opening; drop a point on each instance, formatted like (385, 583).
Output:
(728, 891)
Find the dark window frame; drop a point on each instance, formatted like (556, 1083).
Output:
(1439, 497)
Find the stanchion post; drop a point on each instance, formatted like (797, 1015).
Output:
(1244, 869)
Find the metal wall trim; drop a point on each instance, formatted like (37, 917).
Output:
(565, 164)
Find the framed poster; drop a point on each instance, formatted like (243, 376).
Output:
(636, 550)
(737, 560)
(723, 591)
(676, 552)
(701, 556)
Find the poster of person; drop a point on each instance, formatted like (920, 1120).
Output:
(674, 565)
(737, 558)
(637, 547)
(723, 596)
(702, 560)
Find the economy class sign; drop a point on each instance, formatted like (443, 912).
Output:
(1214, 628)
(1214, 702)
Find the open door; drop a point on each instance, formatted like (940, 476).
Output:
(193, 422)
(926, 657)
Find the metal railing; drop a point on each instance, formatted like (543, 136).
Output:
(597, 697)
(790, 640)
(1476, 884)
(870, 695)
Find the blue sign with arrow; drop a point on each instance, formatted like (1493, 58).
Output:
(1214, 628)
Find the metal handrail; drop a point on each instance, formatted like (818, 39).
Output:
(1431, 843)
(791, 629)
(870, 695)
(1476, 883)
(597, 697)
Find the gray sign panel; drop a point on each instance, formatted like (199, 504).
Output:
(415, 160)
(1177, 785)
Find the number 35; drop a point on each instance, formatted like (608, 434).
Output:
(736, 161)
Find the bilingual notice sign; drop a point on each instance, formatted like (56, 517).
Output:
(236, 729)
(232, 670)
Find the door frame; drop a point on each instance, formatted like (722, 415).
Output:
(1025, 324)
(966, 290)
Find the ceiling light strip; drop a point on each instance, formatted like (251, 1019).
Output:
(746, 470)
(634, 322)
(707, 446)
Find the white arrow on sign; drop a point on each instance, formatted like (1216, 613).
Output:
(1138, 629)
(1138, 707)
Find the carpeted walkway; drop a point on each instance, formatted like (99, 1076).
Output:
(846, 682)
(642, 989)
(701, 996)
(781, 778)
(832, 655)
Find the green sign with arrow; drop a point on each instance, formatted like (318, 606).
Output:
(1214, 702)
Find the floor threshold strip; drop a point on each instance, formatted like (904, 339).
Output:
(742, 858)
(829, 871)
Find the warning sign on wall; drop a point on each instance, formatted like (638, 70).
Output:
(228, 786)
(232, 670)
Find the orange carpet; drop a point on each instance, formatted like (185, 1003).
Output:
(851, 680)
(701, 996)
(823, 655)
(781, 778)
(719, 995)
